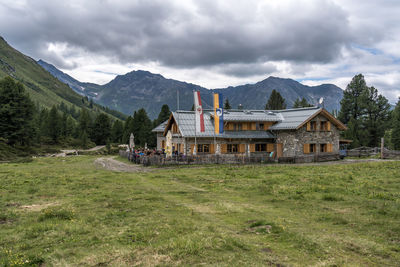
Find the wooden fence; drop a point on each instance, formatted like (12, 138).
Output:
(363, 152)
(373, 151)
(310, 158)
(390, 154)
(162, 160)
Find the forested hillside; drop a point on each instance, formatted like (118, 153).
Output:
(43, 88)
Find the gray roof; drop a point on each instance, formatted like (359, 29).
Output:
(160, 128)
(186, 124)
(286, 120)
(293, 118)
(251, 115)
(186, 120)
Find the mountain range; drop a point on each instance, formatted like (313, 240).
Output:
(49, 86)
(43, 88)
(142, 89)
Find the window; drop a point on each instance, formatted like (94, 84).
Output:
(203, 148)
(323, 148)
(260, 126)
(232, 148)
(206, 148)
(309, 148)
(261, 147)
(313, 125)
(325, 126)
(313, 148)
(237, 126)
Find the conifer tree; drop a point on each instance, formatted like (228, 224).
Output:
(275, 101)
(84, 139)
(101, 129)
(85, 122)
(163, 115)
(70, 126)
(127, 130)
(142, 128)
(64, 124)
(303, 103)
(43, 116)
(365, 112)
(227, 105)
(117, 131)
(395, 136)
(54, 125)
(351, 103)
(16, 113)
(375, 116)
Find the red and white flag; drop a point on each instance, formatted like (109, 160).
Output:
(199, 112)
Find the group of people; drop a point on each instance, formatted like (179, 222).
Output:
(135, 154)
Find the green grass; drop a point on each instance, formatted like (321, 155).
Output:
(67, 211)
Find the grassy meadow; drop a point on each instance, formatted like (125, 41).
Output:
(68, 212)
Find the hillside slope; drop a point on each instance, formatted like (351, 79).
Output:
(84, 89)
(42, 87)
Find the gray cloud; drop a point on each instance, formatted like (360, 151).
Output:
(215, 43)
(246, 70)
(174, 34)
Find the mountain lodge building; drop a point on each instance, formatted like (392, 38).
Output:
(286, 133)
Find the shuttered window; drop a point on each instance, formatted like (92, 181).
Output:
(306, 148)
(252, 148)
(326, 148)
(261, 147)
(232, 148)
(242, 148)
(309, 148)
(270, 147)
(224, 148)
(330, 148)
(203, 148)
(191, 148)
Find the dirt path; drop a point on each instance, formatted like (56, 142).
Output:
(118, 166)
(72, 152)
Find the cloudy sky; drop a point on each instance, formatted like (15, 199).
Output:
(213, 43)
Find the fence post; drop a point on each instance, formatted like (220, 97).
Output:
(382, 147)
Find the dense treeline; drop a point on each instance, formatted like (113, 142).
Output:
(366, 113)
(24, 123)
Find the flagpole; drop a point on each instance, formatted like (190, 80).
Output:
(195, 125)
(215, 139)
(177, 99)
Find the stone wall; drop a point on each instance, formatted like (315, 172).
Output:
(160, 138)
(294, 140)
